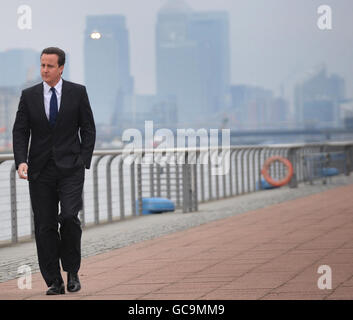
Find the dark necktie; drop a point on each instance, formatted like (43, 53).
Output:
(53, 111)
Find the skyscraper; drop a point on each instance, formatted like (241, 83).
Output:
(318, 99)
(18, 66)
(107, 64)
(210, 30)
(255, 107)
(193, 62)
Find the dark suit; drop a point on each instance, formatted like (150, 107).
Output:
(56, 160)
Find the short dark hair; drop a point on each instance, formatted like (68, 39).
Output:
(54, 50)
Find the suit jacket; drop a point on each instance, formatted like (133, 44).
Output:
(70, 142)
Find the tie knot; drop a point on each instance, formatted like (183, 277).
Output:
(52, 89)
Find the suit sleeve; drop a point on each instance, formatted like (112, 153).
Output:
(21, 133)
(87, 130)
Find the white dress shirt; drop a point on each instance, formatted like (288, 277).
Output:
(47, 95)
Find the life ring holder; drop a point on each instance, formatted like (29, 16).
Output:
(269, 179)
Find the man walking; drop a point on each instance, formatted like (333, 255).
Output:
(56, 117)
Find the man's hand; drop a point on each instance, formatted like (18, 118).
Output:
(22, 170)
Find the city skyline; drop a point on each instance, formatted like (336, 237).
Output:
(194, 85)
(272, 44)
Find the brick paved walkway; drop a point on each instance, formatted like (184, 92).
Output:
(269, 253)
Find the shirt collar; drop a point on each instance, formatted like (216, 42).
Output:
(57, 87)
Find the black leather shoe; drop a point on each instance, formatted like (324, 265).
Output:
(73, 282)
(57, 287)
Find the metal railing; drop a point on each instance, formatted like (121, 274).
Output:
(119, 179)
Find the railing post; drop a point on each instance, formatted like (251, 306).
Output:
(167, 166)
(351, 158)
(254, 169)
(177, 182)
(202, 178)
(292, 157)
(348, 154)
(185, 177)
(231, 173)
(95, 189)
(242, 170)
(132, 184)
(158, 168)
(209, 169)
(121, 189)
(151, 180)
(236, 184)
(139, 186)
(195, 188)
(216, 177)
(187, 185)
(14, 231)
(109, 188)
(248, 169)
(261, 150)
(224, 176)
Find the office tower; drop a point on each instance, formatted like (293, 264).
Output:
(192, 50)
(18, 66)
(211, 32)
(139, 108)
(255, 107)
(107, 65)
(318, 99)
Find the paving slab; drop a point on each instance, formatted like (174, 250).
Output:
(267, 245)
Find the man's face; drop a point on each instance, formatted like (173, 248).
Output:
(49, 69)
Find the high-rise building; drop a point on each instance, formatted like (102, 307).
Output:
(18, 66)
(254, 107)
(107, 65)
(193, 63)
(140, 108)
(318, 99)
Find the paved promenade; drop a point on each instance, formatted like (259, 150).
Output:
(269, 252)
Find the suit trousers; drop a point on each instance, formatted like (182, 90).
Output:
(57, 234)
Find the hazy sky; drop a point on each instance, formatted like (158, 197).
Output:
(272, 41)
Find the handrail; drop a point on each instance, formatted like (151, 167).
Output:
(187, 183)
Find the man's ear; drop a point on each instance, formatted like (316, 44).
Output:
(61, 69)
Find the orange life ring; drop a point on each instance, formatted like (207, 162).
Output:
(269, 179)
